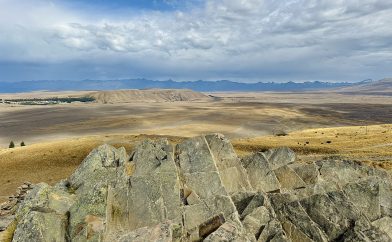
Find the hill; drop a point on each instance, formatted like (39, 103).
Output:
(200, 190)
(151, 95)
(381, 87)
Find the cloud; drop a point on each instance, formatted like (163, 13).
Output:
(240, 39)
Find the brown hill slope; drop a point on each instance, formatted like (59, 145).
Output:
(383, 86)
(151, 95)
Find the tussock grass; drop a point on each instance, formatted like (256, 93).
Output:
(369, 144)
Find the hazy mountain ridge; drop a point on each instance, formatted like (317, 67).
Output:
(202, 86)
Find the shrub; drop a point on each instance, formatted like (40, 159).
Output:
(280, 133)
(22, 143)
(12, 145)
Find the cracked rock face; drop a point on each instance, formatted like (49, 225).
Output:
(199, 190)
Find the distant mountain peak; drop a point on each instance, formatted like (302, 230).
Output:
(367, 81)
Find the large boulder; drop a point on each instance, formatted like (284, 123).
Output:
(260, 173)
(233, 175)
(90, 183)
(280, 157)
(200, 178)
(147, 190)
(44, 215)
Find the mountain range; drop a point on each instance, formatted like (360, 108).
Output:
(201, 86)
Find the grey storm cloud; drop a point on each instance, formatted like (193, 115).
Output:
(241, 39)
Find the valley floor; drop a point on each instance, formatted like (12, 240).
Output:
(237, 115)
(59, 137)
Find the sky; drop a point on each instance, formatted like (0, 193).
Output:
(239, 40)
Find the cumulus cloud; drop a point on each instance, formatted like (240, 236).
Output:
(240, 39)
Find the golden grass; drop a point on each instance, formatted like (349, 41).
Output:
(8, 234)
(369, 144)
(53, 161)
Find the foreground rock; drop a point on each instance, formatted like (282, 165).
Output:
(8, 210)
(201, 191)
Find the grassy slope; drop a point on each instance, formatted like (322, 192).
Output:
(51, 162)
(371, 144)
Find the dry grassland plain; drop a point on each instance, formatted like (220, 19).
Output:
(59, 137)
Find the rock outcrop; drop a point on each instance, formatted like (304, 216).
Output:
(8, 210)
(200, 190)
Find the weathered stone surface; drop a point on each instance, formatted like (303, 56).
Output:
(90, 182)
(280, 157)
(258, 200)
(273, 229)
(43, 216)
(162, 232)
(385, 193)
(99, 166)
(193, 157)
(385, 225)
(150, 195)
(231, 171)
(341, 172)
(332, 212)
(280, 237)
(294, 217)
(307, 172)
(257, 220)
(8, 210)
(242, 199)
(201, 191)
(260, 173)
(364, 233)
(227, 232)
(288, 179)
(210, 226)
(38, 226)
(365, 196)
